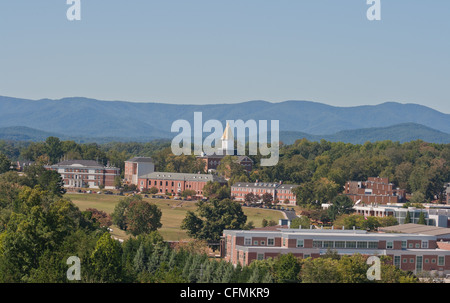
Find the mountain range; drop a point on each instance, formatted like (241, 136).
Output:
(91, 120)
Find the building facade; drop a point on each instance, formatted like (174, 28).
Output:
(374, 190)
(435, 215)
(138, 166)
(176, 183)
(85, 174)
(278, 191)
(409, 252)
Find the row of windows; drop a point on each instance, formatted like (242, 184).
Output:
(440, 260)
(270, 242)
(71, 170)
(338, 244)
(345, 244)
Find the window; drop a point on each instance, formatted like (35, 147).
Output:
(411, 260)
(284, 242)
(339, 244)
(255, 243)
(306, 256)
(260, 257)
(417, 245)
(247, 241)
(441, 260)
(350, 244)
(403, 244)
(397, 261)
(373, 244)
(424, 244)
(433, 260)
(389, 245)
(328, 244)
(263, 242)
(270, 242)
(362, 244)
(410, 245)
(405, 260)
(317, 244)
(300, 243)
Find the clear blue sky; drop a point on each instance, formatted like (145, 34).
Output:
(210, 51)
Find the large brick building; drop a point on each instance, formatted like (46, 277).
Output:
(85, 174)
(375, 190)
(176, 183)
(278, 191)
(136, 167)
(409, 252)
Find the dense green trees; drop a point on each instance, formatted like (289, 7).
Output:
(339, 206)
(322, 168)
(5, 163)
(212, 217)
(136, 216)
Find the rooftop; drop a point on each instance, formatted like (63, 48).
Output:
(141, 160)
(80, 163)
(412, 228)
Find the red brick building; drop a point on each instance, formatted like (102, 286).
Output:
(212, 162)
(85, 174)
(409, 252)
(375, 190)
(176, 183)
(278, 191)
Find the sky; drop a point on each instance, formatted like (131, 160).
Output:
(210, 51)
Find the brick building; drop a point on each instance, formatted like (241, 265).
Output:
(177, 182)
(85, 174)
(212, 162)
(278, 191)
(136, 167)
(227, 149)
(409, 252)
(375, 190)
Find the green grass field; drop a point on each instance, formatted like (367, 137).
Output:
(173, 212)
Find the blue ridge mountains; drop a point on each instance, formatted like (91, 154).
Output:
(90, 120)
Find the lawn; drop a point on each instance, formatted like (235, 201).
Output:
(173, 212)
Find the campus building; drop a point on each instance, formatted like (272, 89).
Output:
(176, 183)
(435, 215)
(85, 174)
(136, 167)
(278, 191)
(374, 190)
(409, 252)
(227, 149)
